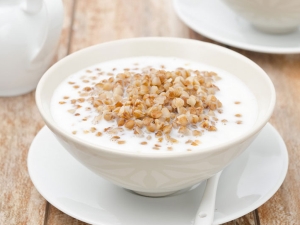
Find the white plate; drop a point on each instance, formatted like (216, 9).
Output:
(245, 185)
(213, 19)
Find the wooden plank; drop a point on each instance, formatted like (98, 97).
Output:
(100, 21)
(56, 217)
(20, 121)
(248, 219)
(20, 202)
(64, 43)
(284, 70)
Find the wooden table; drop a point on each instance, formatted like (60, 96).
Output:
(95, 21)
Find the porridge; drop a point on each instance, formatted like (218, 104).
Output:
(154, 104)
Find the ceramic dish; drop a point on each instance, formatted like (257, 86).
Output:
(244, 185)
(149, 173)
(268, 17)
(215, 20)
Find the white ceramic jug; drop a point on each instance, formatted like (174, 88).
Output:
(29, 33)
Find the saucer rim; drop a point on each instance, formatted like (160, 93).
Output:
(275, 188)
(225, 219)
(227, 41)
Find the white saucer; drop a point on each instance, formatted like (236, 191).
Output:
(245, 185)
(213, 19)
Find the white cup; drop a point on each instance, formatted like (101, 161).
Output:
(271, 16)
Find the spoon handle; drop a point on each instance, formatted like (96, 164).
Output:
(205, 214)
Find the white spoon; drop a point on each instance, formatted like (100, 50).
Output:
(205, 213)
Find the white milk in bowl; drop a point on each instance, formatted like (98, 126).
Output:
(154, 104)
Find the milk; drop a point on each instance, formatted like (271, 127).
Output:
(239, 110)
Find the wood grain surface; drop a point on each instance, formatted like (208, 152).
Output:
(95, 21)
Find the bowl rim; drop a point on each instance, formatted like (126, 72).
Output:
(210, 149)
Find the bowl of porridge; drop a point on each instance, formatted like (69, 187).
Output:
(155, 115)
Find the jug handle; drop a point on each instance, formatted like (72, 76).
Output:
(32, 6)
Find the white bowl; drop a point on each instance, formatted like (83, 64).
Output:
(164, 173)
(280, 16)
